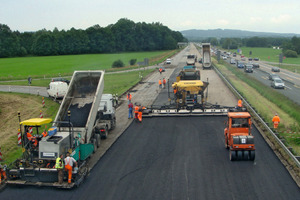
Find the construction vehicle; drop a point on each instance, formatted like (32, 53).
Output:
(206, 61)
(190, 94)
(189, 72)
(57, 89)
(238, 137)
(74, 130)
(191, 59)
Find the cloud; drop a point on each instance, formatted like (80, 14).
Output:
(281, 19)
(255, 20)
(222, 22)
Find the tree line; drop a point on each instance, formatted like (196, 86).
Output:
(290, 46)
(123, 36)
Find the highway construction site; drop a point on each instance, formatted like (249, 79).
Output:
(170, 156)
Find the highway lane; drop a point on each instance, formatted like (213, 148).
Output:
(176, 158)
(292, 91)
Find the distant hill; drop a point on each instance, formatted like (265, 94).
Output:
(195, 34)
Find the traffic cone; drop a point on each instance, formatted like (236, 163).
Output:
(0, 154)
(43, 101)
(19, 137)
(41, 114)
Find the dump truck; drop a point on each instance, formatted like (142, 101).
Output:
(191, 59)
(206, 57)
(238, 137)
(189, 72)
(74, 130)
(190, 94)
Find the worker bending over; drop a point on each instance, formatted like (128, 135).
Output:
(240, 103)
(276, 121)
(69, 162)
(2, 173)
(136, 111)
(140, 113)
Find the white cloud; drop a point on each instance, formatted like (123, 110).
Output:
(281, 19)
(255, 20)
(222, 22)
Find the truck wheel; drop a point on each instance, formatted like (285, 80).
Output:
(104, 135)
(239, 155)
(246, 155)
(226, 143)
(252, 155)
(98, 139)
(113, 124)
(232, 155)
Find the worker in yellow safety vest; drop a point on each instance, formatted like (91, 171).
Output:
(2, 173)
(276, 121)
(69, 162)
(59, 165)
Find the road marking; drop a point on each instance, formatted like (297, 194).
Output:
(263, 77)
(296, 86)
(288, 87)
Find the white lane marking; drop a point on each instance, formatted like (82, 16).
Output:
(288, 87)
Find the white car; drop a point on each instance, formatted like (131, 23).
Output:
(57, 89)
(168, 61)
(277, 83)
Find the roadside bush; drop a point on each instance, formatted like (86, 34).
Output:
(291, 54)
(118, 64)
(132, 61)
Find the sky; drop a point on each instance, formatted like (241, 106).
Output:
(254, 15)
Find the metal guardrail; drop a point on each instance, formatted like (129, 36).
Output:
(260, 119)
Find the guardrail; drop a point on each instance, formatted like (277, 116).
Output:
(260, 119)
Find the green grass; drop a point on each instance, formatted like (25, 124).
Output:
(52, 66)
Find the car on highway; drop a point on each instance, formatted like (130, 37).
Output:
(234, 54)
(277, 83)
(243, 59)
(240, 64)
(250, 59)
(248, 68)
(255, 65)
(273, 76)
(224, 57)
(256, 59)
(168, 61)
(275, 69)
(232, 61)
(162, 69)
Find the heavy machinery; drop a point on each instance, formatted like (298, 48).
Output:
(189, 72)
(206, 61)
(189, 94)
(238, 137)
(191, 59)
(75, 130)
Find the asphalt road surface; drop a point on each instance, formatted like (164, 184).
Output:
(176, 158)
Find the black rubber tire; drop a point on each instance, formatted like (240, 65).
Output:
(246, 155)
(232, 155)
(104, 136)
(98, 139)
(226, 143)
(239, 155)
(252, 155)
(113, 124)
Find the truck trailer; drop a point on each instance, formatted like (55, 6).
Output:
(73, 131)
(206, 61)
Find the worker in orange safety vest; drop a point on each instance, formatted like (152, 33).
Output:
(140, 113)
(136, 111)
(32, 139)
(69, 162)
(164, 82)
(159, 83)
(44, 134)
(160, 70)
(276, 121)
(129, 96)
(2, 173)
(240, 103)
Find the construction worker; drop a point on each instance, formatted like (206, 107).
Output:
(69, 162)
(160, 70)
(2, 173)
(140, 113)
(130, 108)
(136, 111)
(129, 96)
(44, 134)
(32, 139)
(59, 165)
(240, 103)
(159, 83)
(164, 82)
(276, 121)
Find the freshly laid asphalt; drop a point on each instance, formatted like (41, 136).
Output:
(176, 158)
